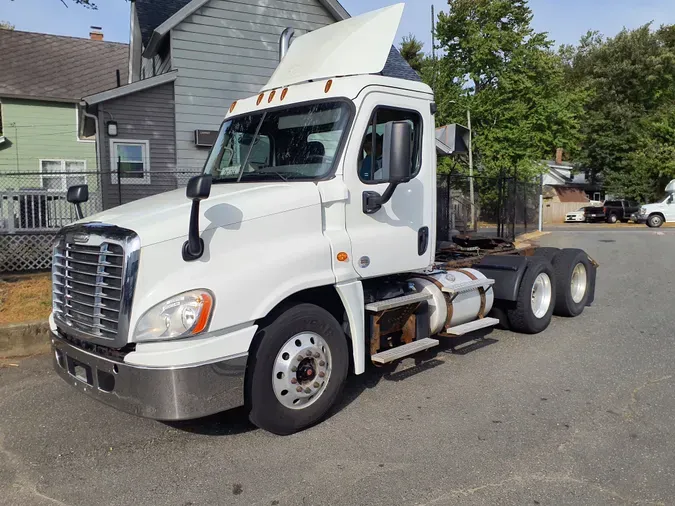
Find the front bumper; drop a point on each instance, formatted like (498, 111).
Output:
(161, 393)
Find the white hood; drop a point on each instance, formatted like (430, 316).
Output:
(358, 45)
(166, 216)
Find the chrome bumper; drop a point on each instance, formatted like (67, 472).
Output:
(163, 394)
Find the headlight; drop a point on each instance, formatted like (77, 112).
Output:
(643, 211)
(183, 315)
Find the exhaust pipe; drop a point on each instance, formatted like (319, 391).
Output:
(285, 41)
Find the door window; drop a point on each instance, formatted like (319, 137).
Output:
(370, 163)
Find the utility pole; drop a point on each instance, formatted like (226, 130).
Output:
(471, 194)
(433, 46)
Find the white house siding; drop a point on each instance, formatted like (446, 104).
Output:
(225, 51)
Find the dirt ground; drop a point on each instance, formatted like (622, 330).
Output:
(25, 298)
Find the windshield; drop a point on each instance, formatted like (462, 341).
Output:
(298, 142)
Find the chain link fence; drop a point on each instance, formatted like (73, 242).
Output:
(33, 207)
(502, 206)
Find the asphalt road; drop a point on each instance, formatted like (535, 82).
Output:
(580, 414)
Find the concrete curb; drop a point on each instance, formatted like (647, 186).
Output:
(23, 339)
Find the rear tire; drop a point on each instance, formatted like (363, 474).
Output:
(536, 298)
(612, 218)
(303, 348)
(547, 253)
(654, 221)
(572, 269)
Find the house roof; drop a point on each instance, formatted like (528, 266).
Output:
(53, 67)
(566, 194)
(122, 91)
(396, 66)
(162, 15)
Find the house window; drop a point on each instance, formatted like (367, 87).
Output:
(596, 196)
(59, 175)
(78, 115)
(130, 160)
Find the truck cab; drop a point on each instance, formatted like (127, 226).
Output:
(305, 250)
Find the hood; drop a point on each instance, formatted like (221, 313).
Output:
(166, 216)
(338, 49)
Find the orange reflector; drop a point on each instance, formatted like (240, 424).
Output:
(342, 256)
(283, 93)
(204, 314)
(271, 97)
(260, 98)
(234, 104)
(328, 85)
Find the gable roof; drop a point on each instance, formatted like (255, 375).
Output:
(396, 66)
(162, 15)
(57, 68)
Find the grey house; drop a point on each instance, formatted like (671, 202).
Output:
(188, 61)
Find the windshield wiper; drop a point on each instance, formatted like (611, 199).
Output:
(250, 149)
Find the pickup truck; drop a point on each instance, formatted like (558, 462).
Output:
(620, 210)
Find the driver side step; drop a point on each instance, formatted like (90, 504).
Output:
(384, 357)
(482, 323)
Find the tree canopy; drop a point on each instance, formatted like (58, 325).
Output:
(608, 102)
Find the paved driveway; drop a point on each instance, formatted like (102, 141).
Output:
(583, 413)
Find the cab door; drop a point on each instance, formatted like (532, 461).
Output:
(400, 236)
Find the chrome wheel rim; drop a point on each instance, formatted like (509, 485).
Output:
(301, 370)
(578, 282)
(541, 295)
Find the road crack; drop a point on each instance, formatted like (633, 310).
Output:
(535, 478)
(630, 411)
(22, 479)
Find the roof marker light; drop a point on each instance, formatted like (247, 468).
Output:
(328, 85)
(260, 98)
(283, 93)
(234, 104)
(271, 97)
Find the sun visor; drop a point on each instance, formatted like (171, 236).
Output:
(358, 45)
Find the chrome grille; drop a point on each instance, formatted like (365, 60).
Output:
(93, 285)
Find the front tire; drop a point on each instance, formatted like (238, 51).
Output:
(654, 221)
(536, 298)
(297, 370)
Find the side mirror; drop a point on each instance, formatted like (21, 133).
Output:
(198, 189)
(396, 155)
(396, 163)
(77, 195)
(670, 199)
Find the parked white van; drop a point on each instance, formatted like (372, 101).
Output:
(654, 215)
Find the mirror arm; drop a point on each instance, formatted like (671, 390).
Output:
(193, 249)
(373, 201)
(78, 211)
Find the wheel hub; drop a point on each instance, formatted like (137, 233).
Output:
(301, 370)
(541, 295)
(578, 283)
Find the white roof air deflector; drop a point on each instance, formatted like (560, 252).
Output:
(358, 45)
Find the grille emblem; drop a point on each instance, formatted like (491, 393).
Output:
(80, 238)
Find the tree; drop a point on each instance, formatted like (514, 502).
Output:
(497, 66)
(88, 4)
(411, 50)
(628, 132)
(5, 25)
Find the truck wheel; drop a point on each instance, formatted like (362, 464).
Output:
(547, 253)
(572, 272)
(655, 221)
(536, 298)
(612, 218)
(297, 370)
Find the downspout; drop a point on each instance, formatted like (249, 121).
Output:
(285, 41)
(97, 140)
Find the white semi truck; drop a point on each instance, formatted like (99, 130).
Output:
(304, 251)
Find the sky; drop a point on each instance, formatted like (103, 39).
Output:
(565, 20)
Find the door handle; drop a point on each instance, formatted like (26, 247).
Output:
(422, 240)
